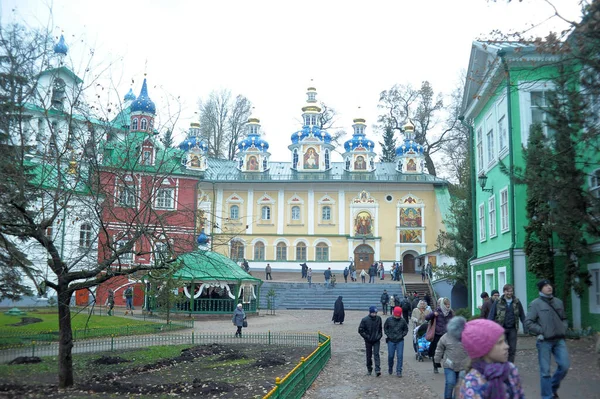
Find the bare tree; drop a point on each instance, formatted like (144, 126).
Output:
(59, 173)
(422, 107)
(222, 120)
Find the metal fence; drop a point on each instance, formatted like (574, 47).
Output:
(297, 381)
(118, 343)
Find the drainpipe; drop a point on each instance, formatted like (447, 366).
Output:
(473, 201)
(511, 251)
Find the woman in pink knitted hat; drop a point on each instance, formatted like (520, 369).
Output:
(491, 375)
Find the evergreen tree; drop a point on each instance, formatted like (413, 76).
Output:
(167, 139)
(388, 147)
(539, 179)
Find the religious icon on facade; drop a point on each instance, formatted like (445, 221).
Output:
(252, 163)
(410, 236)
(195, 161)
(411, 165)
(311, 159)
(363, 224)
(360, 163)
(410, 217)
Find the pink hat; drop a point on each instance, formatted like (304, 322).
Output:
(398, 311)
(480, 336)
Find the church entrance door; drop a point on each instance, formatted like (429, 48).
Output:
(364, 257)
(408, 263)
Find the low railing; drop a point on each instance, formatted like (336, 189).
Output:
(297, 381)
(117, 343)
(213, 306)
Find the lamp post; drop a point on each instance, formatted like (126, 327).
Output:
(482, 183)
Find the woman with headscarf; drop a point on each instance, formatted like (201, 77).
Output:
(238, 319)
(419, 313)
(338, 311)
(442, 315)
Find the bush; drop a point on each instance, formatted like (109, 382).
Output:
(466, 313)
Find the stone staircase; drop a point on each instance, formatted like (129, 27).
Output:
(421, 289)
(357, 296)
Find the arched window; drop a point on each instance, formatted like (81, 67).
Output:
(347, 163)
(296, 213)
(134, 124)
(301, 251)
(265, 164)
(322, 253)
(281, 251)
(237, 250)
(259, 251)
(144, 124)
(234, 212)
(295, 159)
(326, 159)
(265, 213)
(85, 235)
(307, 120)
(313, 120)
(326, 213)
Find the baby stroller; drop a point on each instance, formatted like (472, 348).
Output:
(420, 344)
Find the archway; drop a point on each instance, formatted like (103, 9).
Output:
(408, 263)
(364, 256)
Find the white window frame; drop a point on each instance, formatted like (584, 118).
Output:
(296, 213)
(501, 277)
(480, 153)
(127, 257)
(504, 218)
(478, 288)
(488, 280)
(147, 157)
(525, 88)
(265, 212)
(326, 216)
(161, 250)
(257, 246)
(234, 212)
(322, 252)
(281, 255)
(130, 194)
(134, 124)
(482, 232)
(594, 183)
(492, 216)
(143, 124)
(165, 202)
(234, 244)
(86, 236)
(490, 140)
(501, 111)
(303, 245)
(594, 289)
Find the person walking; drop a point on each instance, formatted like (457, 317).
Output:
(420, 313)
(442, 315)
(507, 311)
(395, 329)
(338, 311)
(385, 299)
(346, 273)
(406, 309)
(485, 307)
(268, 272)
(429, 270)
(128, 295)
(490, 374)
(495, 296)
(110, 301)
(423, 274)
(451, 354)
(363, 275)
(239, 316)
(309, 276)
(327, 274)
(546, 318)
(304, 269)
(372, 273)
(371, 330)
(427, 298)
(415, 300)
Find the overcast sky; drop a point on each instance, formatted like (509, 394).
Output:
(269, 51)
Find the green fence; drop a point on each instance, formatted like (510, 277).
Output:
(295, 384)
(119, 343)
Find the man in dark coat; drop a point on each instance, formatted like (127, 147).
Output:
(415, 300)
(327, 275)
(395, 328)
(507, 311)
(385, 299)
(372, 273)
(346, 273)
(406, 309)
(371, 330)
(338, 311)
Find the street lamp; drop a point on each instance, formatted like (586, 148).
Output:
(482, 182)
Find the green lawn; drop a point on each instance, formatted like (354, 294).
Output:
(83, 325)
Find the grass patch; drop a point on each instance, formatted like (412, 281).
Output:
(83, 325)
(82, 362)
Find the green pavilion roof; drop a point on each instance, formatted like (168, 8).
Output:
(203, 265)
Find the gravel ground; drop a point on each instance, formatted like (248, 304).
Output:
(345, 374)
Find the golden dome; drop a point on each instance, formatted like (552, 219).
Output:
(409, 127)
(195, 125)
(253, 120)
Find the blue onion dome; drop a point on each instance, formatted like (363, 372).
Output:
(313, 131)
(192, 142)
(409, 145)
(61, 47)
(253, 140)
(143, 103)
(129, 96)
(359, 141)
(202, 239)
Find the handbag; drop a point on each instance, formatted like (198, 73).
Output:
(430, 335)
(245, 323)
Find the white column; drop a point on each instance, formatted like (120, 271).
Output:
(250, 211)
(311, 212)
(219, 211)
(377, 250)
(342, 212)
(280, 211)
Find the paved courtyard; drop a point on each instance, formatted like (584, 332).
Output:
(344, 377)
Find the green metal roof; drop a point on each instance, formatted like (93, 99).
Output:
(64, 70)
(203, 265)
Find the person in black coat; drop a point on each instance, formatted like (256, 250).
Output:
(338, 311)
(406, 309)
